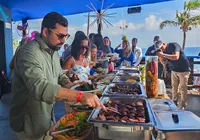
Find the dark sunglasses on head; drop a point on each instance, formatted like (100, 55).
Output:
(59, 35)
(84, 47)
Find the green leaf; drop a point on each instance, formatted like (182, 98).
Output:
(60, 126)
(168, 22)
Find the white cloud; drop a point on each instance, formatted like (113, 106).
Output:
(152, 23)
(195, 12)
(115, 30)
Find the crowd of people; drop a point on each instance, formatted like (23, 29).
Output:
(81, 57)
(38, 78)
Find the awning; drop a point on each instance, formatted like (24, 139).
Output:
(34, 9)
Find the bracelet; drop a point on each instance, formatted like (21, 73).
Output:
(80, 94)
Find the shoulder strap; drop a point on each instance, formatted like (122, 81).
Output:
(74, 60)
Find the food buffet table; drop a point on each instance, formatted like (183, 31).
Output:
(132, 115)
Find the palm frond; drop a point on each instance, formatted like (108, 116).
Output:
(191, 5)
(195, 21)
(168, 22)
(195, 18)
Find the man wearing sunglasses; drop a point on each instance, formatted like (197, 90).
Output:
(38, 81)
(180, 67)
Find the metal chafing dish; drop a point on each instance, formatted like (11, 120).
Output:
(128, 73)
(131, 68)
(126, 79)
(109, 92)
(123, 130)
(176, 125)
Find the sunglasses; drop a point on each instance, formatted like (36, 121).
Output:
(84, 47)
(59, 35)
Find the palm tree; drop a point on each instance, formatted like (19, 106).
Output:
(185, 20)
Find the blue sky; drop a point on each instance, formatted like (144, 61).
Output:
(144, 25)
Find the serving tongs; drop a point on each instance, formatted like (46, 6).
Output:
(79, 107)
(85, 107)
(65, 129)
(113, 110)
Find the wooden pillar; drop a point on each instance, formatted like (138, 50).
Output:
(88, 26)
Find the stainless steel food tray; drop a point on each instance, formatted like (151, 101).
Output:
(123, 79)
(123, 126)
(103, 133)
(108, 93)
(129, 68)
(128, 73)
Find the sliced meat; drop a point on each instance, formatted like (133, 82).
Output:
(102, 117)
(111, 118)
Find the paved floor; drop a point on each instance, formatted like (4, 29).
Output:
(6, 132)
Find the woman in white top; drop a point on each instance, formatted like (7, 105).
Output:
(78, 62)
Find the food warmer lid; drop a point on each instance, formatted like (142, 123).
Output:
(177, 121)
(162, 104)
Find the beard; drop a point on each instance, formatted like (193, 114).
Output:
(56, 47)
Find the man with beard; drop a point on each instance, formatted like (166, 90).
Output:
(38, 81)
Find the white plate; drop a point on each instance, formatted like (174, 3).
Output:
(99, 88)
(103, 59)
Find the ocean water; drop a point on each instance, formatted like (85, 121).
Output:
(189, 51)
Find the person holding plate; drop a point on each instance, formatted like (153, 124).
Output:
(125, 53)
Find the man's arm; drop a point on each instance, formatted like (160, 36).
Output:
(174, 55)
(87, 98)
(28, 66)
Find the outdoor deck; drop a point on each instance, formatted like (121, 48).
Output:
(6, 132)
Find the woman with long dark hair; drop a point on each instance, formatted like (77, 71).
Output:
(78, 62)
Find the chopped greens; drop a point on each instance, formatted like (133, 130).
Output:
(78, 120)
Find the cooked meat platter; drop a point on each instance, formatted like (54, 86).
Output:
(124, 90)
(133, 112)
